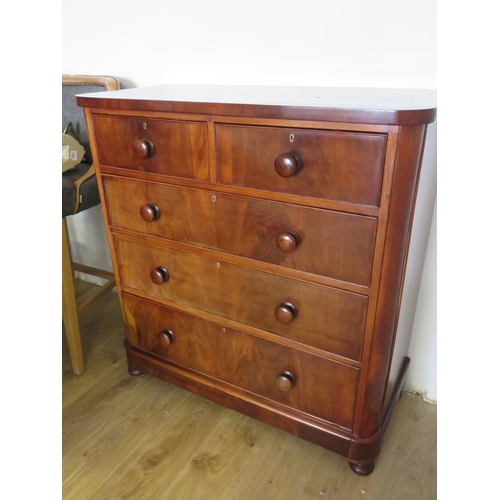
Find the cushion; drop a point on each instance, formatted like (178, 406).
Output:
(89, 191)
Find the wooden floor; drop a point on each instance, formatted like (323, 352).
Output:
(140, 438)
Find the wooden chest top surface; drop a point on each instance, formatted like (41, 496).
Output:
(349, 105)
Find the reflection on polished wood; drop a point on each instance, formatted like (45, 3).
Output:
(140, 438)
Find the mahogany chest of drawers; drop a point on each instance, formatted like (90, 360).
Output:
(259, 239)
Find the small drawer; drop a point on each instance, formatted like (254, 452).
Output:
(322, 242)
(309, 383)
(320, 316)
(173, 148)
(334, 165)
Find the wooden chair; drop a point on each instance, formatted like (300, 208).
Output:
(79, 193)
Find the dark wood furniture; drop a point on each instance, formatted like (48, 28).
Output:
(259, 238)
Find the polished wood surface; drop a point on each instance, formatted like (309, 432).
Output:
(407, 168)
(261, 253)
(247, 295)
(327, 243)
(161, 146)
(286, 312)
(159, 275)
(288, 241)
(166, 338)
(286, 381)
(287, 164)
(341, 105)
(150, 212)
(143, 148)
(142, 439)
(323, 388)
(334, 165)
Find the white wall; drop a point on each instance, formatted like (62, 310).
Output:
(423, 345)
(358, 43)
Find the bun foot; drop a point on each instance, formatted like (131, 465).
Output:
(364, 468)
(135, 372)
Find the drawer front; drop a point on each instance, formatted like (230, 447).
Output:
(174, 148)
(317, 241)
(343, 166)
(320, 316)
(321, 387)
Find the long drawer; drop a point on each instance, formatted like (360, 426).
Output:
(327, 318)
(322, 242)
(343, 166)
(303, 381)
(169, 147)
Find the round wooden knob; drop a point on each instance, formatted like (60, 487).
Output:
(159, 275)
(285, 313)
(150, 212)
(285, 381)
(143, 148)
(166, 337)
(287, 241)
(287, 164)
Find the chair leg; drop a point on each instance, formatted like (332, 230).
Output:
(69, 309)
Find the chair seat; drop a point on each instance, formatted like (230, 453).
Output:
(89, 191)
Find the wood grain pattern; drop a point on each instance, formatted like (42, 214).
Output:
(306, 201)
(394, 115)
(247, 227)
(107, 357)
(324, 288)
(248, 296)
(180, 147)
(322, 388)
(406, 171)
(335, 165)
(149, 440)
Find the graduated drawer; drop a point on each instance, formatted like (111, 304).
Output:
(308, 383)
(320, 316)
(343, 166)
(318, 241)
(170, 147)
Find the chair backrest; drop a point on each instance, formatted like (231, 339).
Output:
(71, 112)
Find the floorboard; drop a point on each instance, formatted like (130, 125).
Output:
(140, 438)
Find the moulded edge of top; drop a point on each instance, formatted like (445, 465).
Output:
(349, 105)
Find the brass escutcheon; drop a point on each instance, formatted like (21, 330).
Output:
(292, 137)
(144, 126)
(214, 197)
